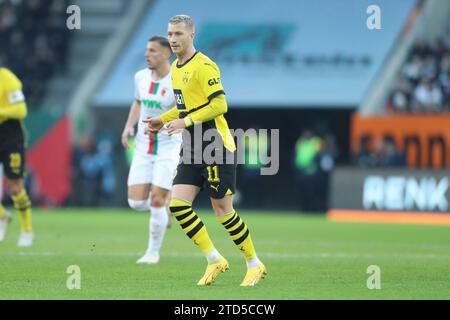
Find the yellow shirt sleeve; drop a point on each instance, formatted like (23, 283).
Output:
(208, 77)
(169, 115)
(216, 107)
(12, 100)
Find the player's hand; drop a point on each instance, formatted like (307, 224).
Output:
(175, 126)
(153, 125)
(127, 132)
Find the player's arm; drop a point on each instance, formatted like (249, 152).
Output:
(133, 118)
(169, 115)
(208, 79)
(155, 124)
(16, 107)
(216, 107)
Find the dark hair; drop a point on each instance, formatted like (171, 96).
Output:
(162, 41)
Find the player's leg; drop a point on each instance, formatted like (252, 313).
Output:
(22, 204)
(5, 217)
(14, 165)
(157, 225)
(187, 185)
(169, 214)
(221, 184)
(163, 168)
(139, 182)
(138, 196)
(139, 188)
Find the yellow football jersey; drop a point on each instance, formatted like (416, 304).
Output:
(11, 95)
(195, 83)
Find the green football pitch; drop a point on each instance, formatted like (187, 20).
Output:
(307, 258)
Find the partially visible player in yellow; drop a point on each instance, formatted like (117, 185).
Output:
(201, 103)
(12, 154)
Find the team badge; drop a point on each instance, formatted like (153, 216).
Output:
(185, 77)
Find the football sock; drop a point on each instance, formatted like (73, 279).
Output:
(240, 234)
(2, 211)
(192, 226)
(213, 256)
(157, 226)
(23, 205)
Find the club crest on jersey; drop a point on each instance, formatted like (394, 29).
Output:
(185, 77)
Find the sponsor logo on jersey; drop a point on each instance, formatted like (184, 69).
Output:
(152, 104)
(213, 81)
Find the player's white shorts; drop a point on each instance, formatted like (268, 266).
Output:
(158, 170)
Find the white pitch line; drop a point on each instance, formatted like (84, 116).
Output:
(320, 255)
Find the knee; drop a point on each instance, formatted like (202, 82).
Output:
(15, 188)
(222, 209)
(157, 201)
(138, 205)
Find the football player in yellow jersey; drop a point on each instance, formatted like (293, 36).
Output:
(12, 154)
(201, 103)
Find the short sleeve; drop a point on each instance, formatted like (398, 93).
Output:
(136, 88)
(13, 89)
(209, 80)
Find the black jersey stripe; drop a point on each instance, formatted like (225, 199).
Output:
(211, 96)
(215, 94)
(197, 108)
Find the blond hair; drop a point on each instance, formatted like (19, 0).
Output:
(183, 18)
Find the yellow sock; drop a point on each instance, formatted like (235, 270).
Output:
(191, 224)
(2, 211)
(23, 206)
(239, 233)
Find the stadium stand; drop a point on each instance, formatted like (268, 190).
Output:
(34, 42)
(423, 85)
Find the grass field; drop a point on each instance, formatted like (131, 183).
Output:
(307, 258)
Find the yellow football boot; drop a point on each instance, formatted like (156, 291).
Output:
(254, 275)
(212, 271)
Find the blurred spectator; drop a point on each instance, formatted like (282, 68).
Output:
(387, 154)
(427, 97)
(307, 170)
(33, 42)
(93, 173)
(326, 158)
(364, 158)
(108, 175)
(423, 85)
(255, 148)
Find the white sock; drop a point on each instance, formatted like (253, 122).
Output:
(158, 226)
(253, 263)
(213, 256)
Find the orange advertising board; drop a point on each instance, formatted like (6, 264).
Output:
(424, 139)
